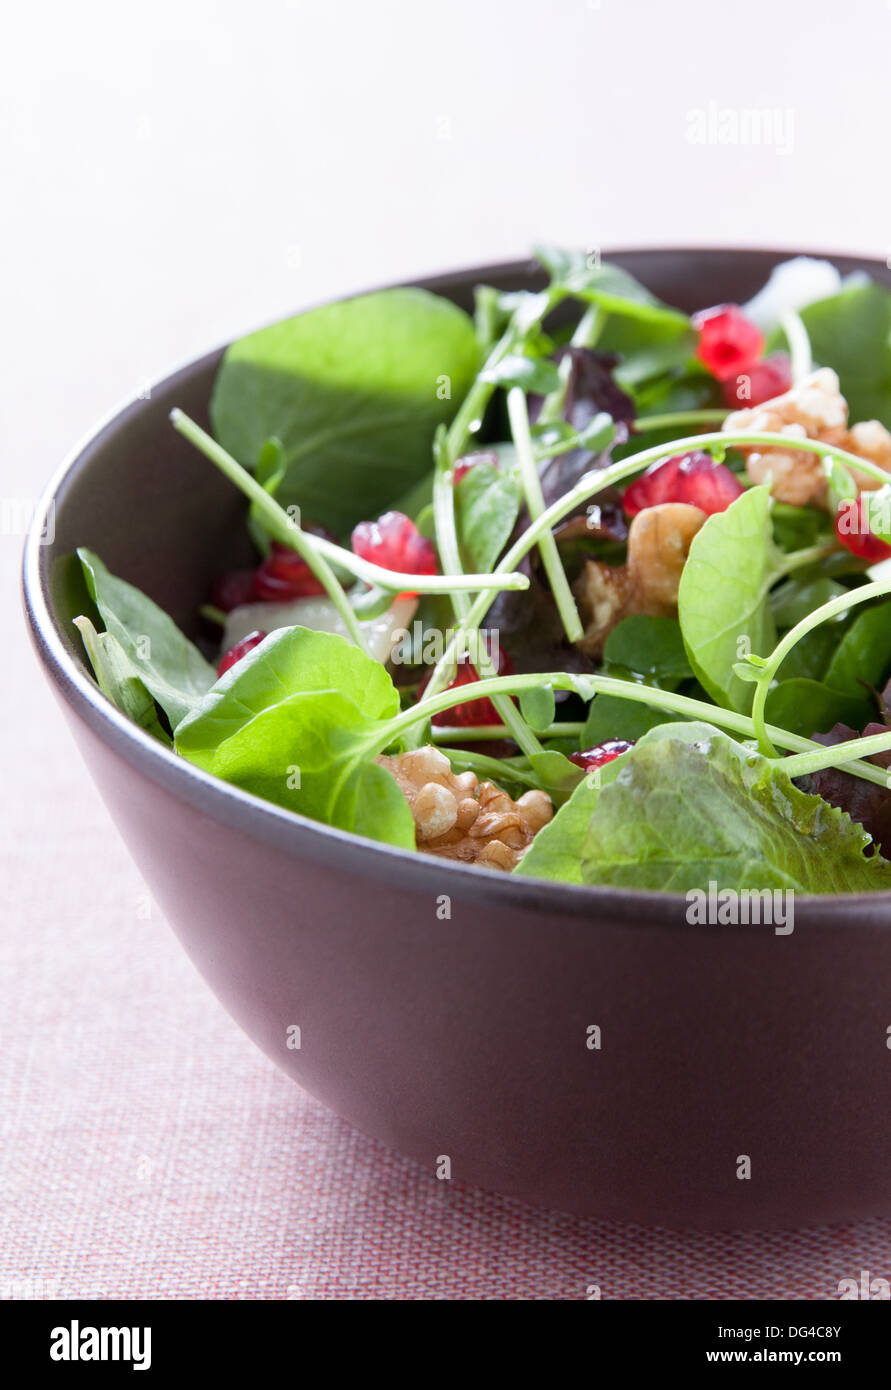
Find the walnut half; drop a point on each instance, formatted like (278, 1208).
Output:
(458, 817)
(813, 409)
(659, 541)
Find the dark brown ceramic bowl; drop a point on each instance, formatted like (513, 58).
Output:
(468, 1037)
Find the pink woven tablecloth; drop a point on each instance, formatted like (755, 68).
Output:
(148, 1150)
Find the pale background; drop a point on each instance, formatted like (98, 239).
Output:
(171, 175)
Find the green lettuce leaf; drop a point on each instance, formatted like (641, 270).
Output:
(169, 665)
(296, 722)
(119, 679)
(311, 754)
(556, 851)
(291, 661)
(722, 599)
(354, 392)
(487, 504)
(692, 807)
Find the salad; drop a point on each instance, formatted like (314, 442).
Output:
(579, 587)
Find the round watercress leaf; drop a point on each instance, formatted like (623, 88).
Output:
(611, 717)
(169, 665)
(555, 774)
(796, 528)
(795, 599)
(426, 522)
(567, 745)
(372, 603)
(696, 390)
(311, 754)
(269, 472)
(354, 392)
(290, 661)
(851, 332)
(863, 655)
(648, 646)
(647, 348)
(552, 432)
(842, 487)
(534, 374)
(809, 707)
(487, 503)
(811, 655)
(614, 289)
(537, 707)
(722, 599)
(877, 510)
(693, 808)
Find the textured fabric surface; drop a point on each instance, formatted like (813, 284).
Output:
(148, 1150)
(146, 1147)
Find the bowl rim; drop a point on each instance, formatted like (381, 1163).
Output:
(288, 830)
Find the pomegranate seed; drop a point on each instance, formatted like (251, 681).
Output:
(852, 529)
(471, 713)
(232, 590)
(729, 343)
(464, 465)
(693, 478)
(284, 575)
(240, 649)
(395, 543)
(600, 754)
(770, 377)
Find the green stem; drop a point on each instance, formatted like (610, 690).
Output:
(587, 331)
(839, 753)
(500, 685)
(450, 554)
(444, 519)
(850, 460)
(470, 413)
(493, 768)
(284, 529)
(589, 486)
(740, 724)
(589, 327)
(275, 519)
(678, 417)
(766, 674)
(542, 453)
(397, 583)
(802, 361)
(467, 420)
(797, 559)
(485, 299)
(535, 504)
(473, 733)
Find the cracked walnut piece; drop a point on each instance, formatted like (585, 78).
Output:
(458, 817)
(659, 540)
(813, 409)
